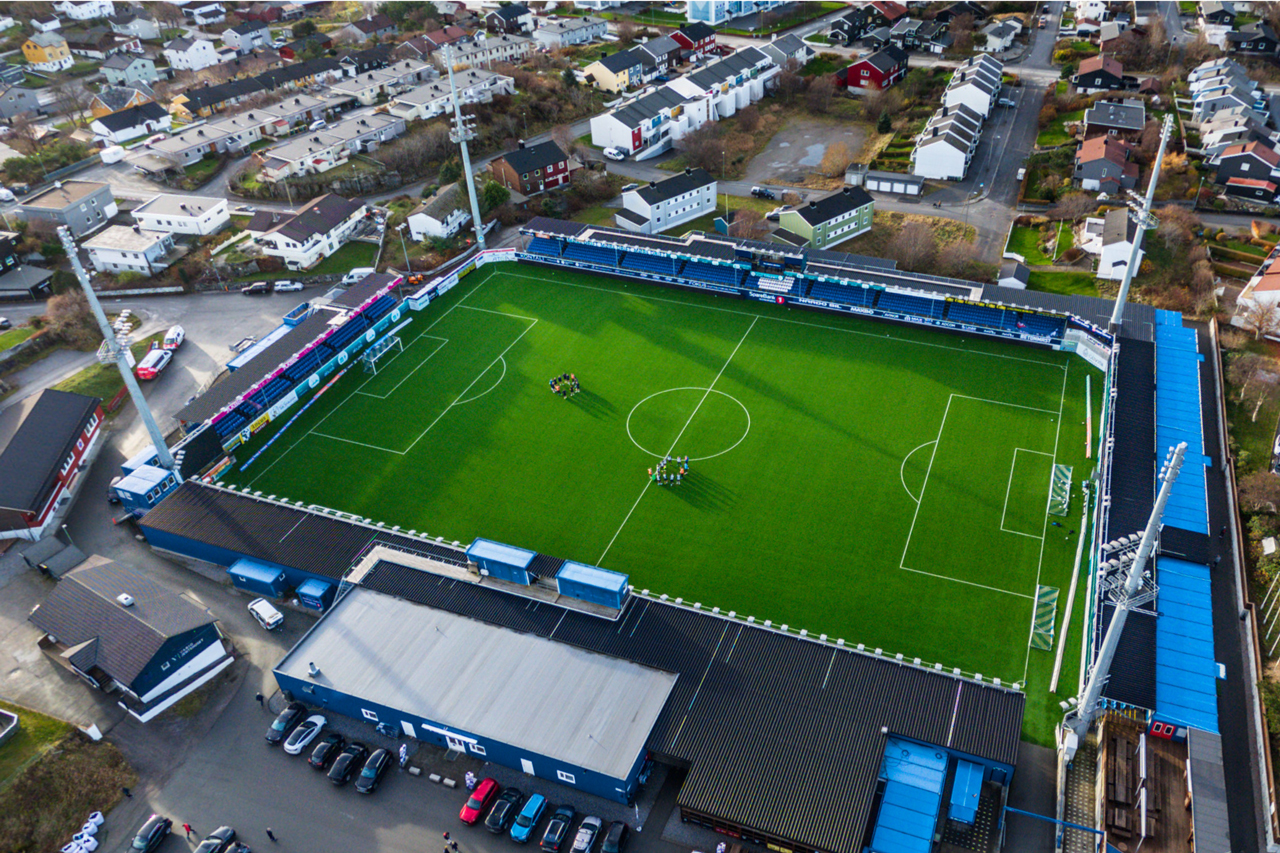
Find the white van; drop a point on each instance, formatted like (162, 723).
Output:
(357, 275)
(112, 154)
(318, 124)
(268, 617)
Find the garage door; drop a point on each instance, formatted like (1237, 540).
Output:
(899, 187)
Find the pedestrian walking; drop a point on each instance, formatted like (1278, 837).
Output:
(186, 827)
(453, 844)
(446, 835)
(272, 836)
(261, 699)
(126, 792)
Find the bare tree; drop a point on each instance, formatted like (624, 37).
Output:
(1262, 317)
(835, 160)
(69, 318)
(1074, 205)
(791, 198)
(956, 258)
(562, 135)
(913, 247)
(749, 119)
(821, 93)
(70, 97)
(626, 32)
(23, 134)
(789, 81)
(748, 223)
(962, 31)
(703, 148)
(1259, 491)
(169, 15)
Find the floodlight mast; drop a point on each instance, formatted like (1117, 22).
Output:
(460, 134)
(1081, 717)
(1141, 215)
(117, 352)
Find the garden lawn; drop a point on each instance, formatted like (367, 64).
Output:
(13, 337)
(1056, 133)
(353, 254)
(1067, 283)
(104, 380)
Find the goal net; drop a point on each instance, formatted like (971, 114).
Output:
(369, 358)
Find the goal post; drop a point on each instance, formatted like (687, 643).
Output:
(369, 358)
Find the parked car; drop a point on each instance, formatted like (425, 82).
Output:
(285, 285)
(327, 750)
(357, 275)
(348, 761)
(615, 153)
(479, 801)
(1007, 102)
(775, 214)
(527, 820)
(152, 833)
(1022, 173)
(112, 496)
(304, 734)
(503, 811)
(20, 188)
(615, 840)
(5, 324)
(112, 154)
(284, 723)
(373, 770)
(763, 192)
(258, 288)
(174, 337)
(557, 829)
(218, 841)
(587, 832)
(155, 361)
(268, 617)
(629, 187)
(318, 124)
(7, 194)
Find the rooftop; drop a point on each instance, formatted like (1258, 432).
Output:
(168, 204)
(1131, 114)
(527, 158)
(678, 184)
(38, 435)
(124, 239)
(64, 194)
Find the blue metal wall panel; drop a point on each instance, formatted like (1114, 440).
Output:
(505, 562)
(915, 775)
(1186, 672)
(1178, 419)
(257, 577)
(966, 788)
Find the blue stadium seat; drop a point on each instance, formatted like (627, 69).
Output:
(661, 264)
(842, 293)
(713, 273)
(773, 286)
(230, 424)
(543, 246)
(978, 315)
(1039, 324)
(591, 255)
(901, 303)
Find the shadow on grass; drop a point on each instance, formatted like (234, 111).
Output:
(593, 404)
(702, 492)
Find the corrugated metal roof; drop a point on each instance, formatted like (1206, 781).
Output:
(31, 460)
(1186, 672)
(1208, 793)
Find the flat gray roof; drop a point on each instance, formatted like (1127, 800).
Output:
(553, 699)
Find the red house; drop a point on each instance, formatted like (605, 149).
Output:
(695, 39)
(879, 70)
(888, 10)
(532, 169)
(47, 442)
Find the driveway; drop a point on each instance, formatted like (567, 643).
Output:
(795, 152)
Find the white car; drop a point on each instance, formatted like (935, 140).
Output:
(268, 617)
(285, 285)
(357, 275)
(174, 337)
(7, 195)
(304, 734)
(615, 153)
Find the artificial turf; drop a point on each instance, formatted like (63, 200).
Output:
(882, 484)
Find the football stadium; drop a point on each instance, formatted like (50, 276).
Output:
(907, 470)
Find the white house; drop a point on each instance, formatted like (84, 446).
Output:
(202, 13)
(1263, 288)
(570, 31)
(119, 248)
(474, 85)
(946, 146)
(133, 123)
(137, 22)
(1094, 9)
(247, 36)
(46, 23)
(1000, 35)
(318, 230)
(1119, 233)
(85, 10)
(185, 54)
(183, 214)
(440, 216)
(661, 205)
(976, 84)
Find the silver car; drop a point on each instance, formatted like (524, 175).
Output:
(587, 832)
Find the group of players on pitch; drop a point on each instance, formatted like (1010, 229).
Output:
(663, 477)
(566, 385)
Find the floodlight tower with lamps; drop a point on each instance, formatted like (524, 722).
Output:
(115, 352)
(463, 131)
(1140, 213)
(1124, 582)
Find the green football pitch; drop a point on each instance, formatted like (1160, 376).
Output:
(882, 484)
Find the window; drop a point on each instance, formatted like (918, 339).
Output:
(369, 715)
(565, 777)
(477, 749)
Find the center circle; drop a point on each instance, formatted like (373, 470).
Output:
(662, 418)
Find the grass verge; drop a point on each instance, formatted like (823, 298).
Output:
(104, 380)
(1067, 283)
(13, 337)
(37, 734)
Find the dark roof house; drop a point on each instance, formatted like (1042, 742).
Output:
(38, 438)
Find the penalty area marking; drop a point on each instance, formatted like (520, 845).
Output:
(501, 377)
(649, 452)
(902, 470)
(1009, 487)
(396, 387)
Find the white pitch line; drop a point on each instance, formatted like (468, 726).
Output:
(351, 441)
(499, 313)
(705, 394)
(1057, 435)
(902, 469)
(1009, 487)
(902, 564)
(969, 583)
(408, 375)
(1003, 403)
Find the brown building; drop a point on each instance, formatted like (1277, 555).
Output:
(532, 169)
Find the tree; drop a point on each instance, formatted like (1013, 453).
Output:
(749, 224)
(1263, 318)
(562, 135)
(167, 14)
(493, 195)
(956, 259)
(303, 28)
(820, 93)
(884, 124)
(626, 32)
(703, 148)
(1259, 492)
(962, 31)
(70, 97)
(749, 119)
(835, 160)
(23, 134)
(913, 247)
(451, 170)
(1074, 205)
(68, 317)
(790, 83)
(570, 79)
(1149, 142)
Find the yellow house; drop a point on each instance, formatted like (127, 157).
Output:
(113, 99)
(616, 72)
(47, 52)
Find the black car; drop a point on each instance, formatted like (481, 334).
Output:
(371, 775)
(219, 841)
(289, 717)
(347, 762)
(152, 833)
(763, 192)
(504, 811)
(615, 840)
(258, 288)
(4, 323)
(327, 750)
(557, 829)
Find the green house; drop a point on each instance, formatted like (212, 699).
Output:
(840, 216)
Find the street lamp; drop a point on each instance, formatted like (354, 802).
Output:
(68, 535)
(407, 268)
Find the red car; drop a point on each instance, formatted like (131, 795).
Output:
(481, 797)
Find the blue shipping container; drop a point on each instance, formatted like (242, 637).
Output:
(593, 584)
(257, 578)
(504, 562)
(316, 594)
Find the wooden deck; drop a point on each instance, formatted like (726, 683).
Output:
(1168, 826)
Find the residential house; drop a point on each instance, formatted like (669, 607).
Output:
(118, 630)
(1231, 127)
(83, 206)
(662, 205)
(136, 22)
(128, 69)
(233, 134)
(452, 11)
(206, 100)
(1119, 234)
(202, 13)
(715, 12)
(905, 33)
(133, 123)
(1105, 164)
(1252, 189)
(1099, 73)
(318, 230)
(385, 83)
(183, 214)
(119, 248)
(46, 23)
(85, 10)
(1256, 37)
(312, 154)
(16, 100)
(513, 18)
(885, 13)
(934, 38)
(596, 5)
(316, 41)
(786, 49)
(664, 52)
(1215, 68)
(851, 26)
(187, 54)
(733, 81)
(532, 169)
(841, 216)
(1000, 36)
(876, 38)
(965, 7)
(370, 59)
(945, 148)
(1125, 119)
(650, 122)
(375, 27)
(113, 99)
(569, 31)
(1253, 160)
(483, 53)
(616, 72)
(1217, 94)
(273, 12)
(696, 39)
(1014, 274)
(49, 441)
(47, 52)
(441, 216)
(1092, 9)
(365, 134)
(1221, 12)
(874, 72)
(976, 83)
(247, 36)
(1088, 28)
(100, 42)
(474, 85)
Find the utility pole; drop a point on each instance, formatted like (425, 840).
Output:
(1140, 214)
(117, 353)
(460, 134)
(1126, 595)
